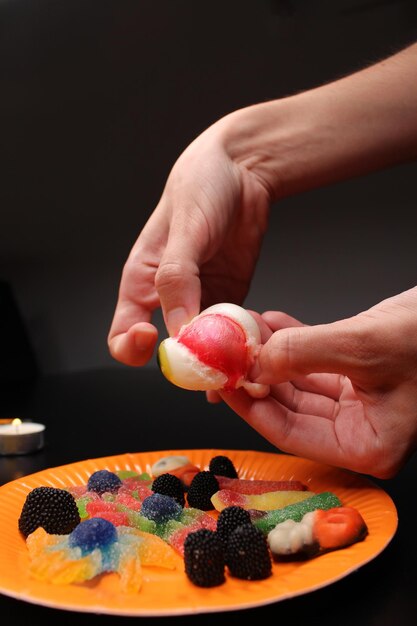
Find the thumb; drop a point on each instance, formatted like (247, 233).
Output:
(294, 352)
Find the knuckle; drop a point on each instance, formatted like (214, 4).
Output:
(169, 275)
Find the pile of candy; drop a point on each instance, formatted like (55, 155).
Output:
(206, 521)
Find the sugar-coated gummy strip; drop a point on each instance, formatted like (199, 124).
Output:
(266, 522)
(269, 501)
(252, 486)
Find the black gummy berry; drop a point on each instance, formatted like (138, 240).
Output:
(247, 553)
(169, 485)
(229, 519)
(103, 481)
(204, 558)
(202, 487)
(55, 510)
(223, 466)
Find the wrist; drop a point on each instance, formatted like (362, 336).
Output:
(287, 144)
(350, 127)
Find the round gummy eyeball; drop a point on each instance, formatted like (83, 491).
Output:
(91, 534)
(103, 481)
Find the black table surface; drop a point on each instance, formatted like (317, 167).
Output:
(107, 412)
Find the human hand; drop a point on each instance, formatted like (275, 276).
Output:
(199, 246)
(343, 393)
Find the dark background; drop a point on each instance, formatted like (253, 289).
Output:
(97, 100)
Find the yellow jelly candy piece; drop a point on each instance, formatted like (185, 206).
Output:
(261, 502)
(277, 499)
(38, 541)
(155, 551)
(55, 567)
(151, 549)
(130, 572)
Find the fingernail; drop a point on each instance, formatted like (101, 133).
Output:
(144, 339)
(175, 319)
(116, 345)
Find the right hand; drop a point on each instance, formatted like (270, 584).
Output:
(200, 246)
(343, 393)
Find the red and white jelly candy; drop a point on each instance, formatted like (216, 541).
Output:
(216, 350)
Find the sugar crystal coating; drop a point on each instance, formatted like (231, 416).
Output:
(267, 520)
(160, 508)
(103, 481)
(133, 540)
(92, 533)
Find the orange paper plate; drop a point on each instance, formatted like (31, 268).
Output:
(167, 592)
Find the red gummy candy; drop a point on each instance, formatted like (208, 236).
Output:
(99, 506)
(220, 343)
(116, 518)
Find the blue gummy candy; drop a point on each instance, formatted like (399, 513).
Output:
(91, 534)
(160, 508)
(104, 481)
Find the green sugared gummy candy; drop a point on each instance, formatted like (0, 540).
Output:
(189, 515)
(82, 506)
(325, 500)
(170, 527)
(136, 520)
(186, 519)
(145, 476)
(126, 474)
(122, 474)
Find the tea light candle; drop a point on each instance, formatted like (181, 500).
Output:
(21, 437)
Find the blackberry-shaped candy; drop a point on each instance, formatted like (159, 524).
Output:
(103, 481)
(55, 510)
(202, 487)
(223, 466)
(160, 508)
(169, 485)
(229, 519)
(204, 558)
(247, 553)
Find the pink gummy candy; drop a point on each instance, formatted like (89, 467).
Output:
(77, 490)
(133, 483)
(177, 538)
(129, 501)
(231, 498)
(253, 487)
(137, 487)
